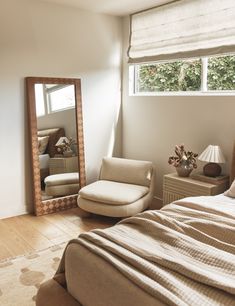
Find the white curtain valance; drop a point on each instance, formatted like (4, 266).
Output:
(183, 29)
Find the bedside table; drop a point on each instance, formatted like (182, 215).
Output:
(63, 164)
(176, 187)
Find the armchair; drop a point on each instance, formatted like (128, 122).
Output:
(125, 188)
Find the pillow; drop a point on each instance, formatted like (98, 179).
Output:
(42, 144)
(54, 135)
(231, 191)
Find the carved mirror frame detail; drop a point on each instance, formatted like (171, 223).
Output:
(60, 203)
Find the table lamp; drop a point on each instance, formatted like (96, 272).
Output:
(61, 141)
(214, 156)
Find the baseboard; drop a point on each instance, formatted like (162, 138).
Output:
(14, 214)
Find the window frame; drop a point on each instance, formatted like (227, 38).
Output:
(47, 100)
(133, 81)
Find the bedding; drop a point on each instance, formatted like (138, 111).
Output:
(46, 140)
(42, 144)
(183, 254)
(44, 161)
(54, 135)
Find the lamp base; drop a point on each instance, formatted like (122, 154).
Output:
(212, 169)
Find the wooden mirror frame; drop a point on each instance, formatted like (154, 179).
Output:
(65, 202)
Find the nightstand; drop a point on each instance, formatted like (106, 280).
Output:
(176, 187)
(63, 164)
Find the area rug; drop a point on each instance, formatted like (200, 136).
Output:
(21, 277)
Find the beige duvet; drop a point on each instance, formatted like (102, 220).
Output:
(183, 254)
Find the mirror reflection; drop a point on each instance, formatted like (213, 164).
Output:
(57, 147)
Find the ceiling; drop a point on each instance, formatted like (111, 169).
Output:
(111, 7)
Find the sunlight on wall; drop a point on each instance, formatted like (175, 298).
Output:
(114, 134)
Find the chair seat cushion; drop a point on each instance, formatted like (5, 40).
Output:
(113, 193)
(62, 179)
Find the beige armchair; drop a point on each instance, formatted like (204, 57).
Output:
(125, 188)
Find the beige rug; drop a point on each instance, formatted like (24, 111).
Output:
(21, 277)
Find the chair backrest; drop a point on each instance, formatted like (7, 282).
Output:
(126, 171)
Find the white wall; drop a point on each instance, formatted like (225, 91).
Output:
(42, 39)
(153, 125)
(65, 119)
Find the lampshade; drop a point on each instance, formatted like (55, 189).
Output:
(61, 141)
(212, 154)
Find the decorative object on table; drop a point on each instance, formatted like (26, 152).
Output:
(64, 146)
(184, 161)
(213, 156)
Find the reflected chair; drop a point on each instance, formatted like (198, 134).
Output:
(58, 185)
(124, 188)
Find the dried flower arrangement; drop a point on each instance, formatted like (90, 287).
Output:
(183, 157)
(66, 145)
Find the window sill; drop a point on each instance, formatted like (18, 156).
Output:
(188, 93)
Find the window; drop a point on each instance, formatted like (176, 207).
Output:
(53, 98)
(221, 73)
(213, 74)
(60, 97)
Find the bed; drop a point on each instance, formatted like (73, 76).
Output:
(183, 254)
(53, 135)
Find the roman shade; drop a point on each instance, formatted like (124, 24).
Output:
(183, 29)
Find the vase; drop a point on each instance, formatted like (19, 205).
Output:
(184, 169)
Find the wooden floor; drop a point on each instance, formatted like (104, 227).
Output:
(27, 233)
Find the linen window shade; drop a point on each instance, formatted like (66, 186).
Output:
(183, 29)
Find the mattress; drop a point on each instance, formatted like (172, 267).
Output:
(183, 255)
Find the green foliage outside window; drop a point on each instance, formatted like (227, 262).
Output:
(186, 75)
(221, 73)
(173, 76)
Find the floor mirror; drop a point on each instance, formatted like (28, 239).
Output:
(57, 144)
